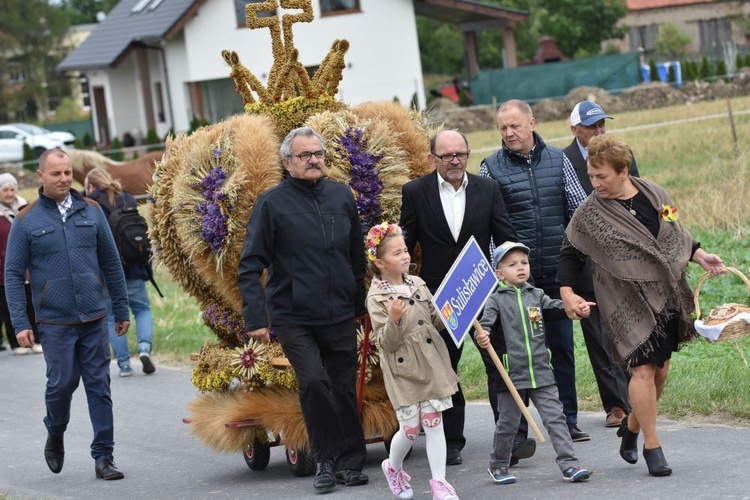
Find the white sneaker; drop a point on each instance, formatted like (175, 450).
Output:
(21, 351)
(37, 349)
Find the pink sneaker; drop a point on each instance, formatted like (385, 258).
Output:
(441, 490)
(397, 481)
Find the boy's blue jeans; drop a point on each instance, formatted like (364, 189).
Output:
(141, 309)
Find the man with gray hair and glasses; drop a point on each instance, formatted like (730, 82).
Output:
(306, 232)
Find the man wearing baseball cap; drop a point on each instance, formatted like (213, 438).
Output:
(587, 120)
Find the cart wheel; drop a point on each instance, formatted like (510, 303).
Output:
(257, 454)
(300, 462)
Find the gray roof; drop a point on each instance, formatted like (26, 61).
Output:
(122, 28)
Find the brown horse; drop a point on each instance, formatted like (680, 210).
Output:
(136, 175)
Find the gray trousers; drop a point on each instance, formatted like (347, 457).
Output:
(548, 405)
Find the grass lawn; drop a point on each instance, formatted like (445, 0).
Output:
(696, 161)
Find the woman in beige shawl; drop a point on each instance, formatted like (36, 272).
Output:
(629, 230)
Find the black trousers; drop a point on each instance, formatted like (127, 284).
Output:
(324, 359)
(453, 419)
(611, 379)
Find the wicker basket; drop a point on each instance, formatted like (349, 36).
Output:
(732, 329)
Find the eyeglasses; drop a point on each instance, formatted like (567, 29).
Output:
(449, 156)
(307, 155)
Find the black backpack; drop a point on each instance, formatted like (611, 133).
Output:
(130, 231)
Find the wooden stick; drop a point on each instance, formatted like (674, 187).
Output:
(511, 387)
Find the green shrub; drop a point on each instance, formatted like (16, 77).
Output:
(706, 70)
(672, 73)
(87, 140)
(152, 138)
(116, 146)
(29, 156)
(721, 68)
(652, 70)
(197, 123)
(464, 98)
(739, 61)
(747, 60)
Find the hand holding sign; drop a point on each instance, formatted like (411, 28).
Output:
(459, 300)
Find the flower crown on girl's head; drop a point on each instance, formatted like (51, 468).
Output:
(375, 235)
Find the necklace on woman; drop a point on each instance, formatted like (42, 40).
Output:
(629, 205)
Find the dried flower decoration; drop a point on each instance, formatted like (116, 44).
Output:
(248, 357)
(375, 235)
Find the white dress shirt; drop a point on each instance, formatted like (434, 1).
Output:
(454, 203)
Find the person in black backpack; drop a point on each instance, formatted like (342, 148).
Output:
(128, 229)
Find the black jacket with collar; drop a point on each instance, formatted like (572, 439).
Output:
(309, 238)
(423, 222)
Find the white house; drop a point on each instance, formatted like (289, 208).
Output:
(157, 63)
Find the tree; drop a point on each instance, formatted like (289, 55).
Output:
(579, 27)
(85, 11)
(671, 42)
(31, 45)
(653, 71)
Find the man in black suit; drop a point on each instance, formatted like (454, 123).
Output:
(440, 211)
(586, 121)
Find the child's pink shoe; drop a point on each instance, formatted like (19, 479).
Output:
(441, 490)
(397, 481)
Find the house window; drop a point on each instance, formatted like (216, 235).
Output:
(644, 36)
(334, 7)
(239, 9)
(714, 34)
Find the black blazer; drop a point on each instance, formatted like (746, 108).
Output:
(424, 223)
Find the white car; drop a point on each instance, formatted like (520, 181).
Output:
(14, 135)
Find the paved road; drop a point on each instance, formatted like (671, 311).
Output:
(162, 460)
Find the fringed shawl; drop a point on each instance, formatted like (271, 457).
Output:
(639, 281)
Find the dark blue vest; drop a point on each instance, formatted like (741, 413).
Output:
(534, 195)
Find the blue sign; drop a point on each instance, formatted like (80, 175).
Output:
(463, 292)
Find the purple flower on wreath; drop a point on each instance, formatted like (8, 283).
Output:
(214, 220)
(365, 180)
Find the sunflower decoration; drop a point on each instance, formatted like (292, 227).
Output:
(248, 357)
(669, 213)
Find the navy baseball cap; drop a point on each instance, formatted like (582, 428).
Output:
(587, 113)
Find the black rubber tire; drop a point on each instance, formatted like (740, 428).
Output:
(257, 455)
(300, 462)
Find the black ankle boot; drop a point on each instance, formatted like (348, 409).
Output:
(657, 464)
(629, 444)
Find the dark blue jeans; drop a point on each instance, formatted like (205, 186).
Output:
(74, 353)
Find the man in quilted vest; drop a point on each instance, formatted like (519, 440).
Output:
(541, 192)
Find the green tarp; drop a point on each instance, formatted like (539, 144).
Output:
(555, 80)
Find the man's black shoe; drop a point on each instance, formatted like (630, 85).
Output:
(106, 469)
(54, 453)
(577, 435)
(324, 481)
(453, 457)
(522, 449)
(351, 477)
